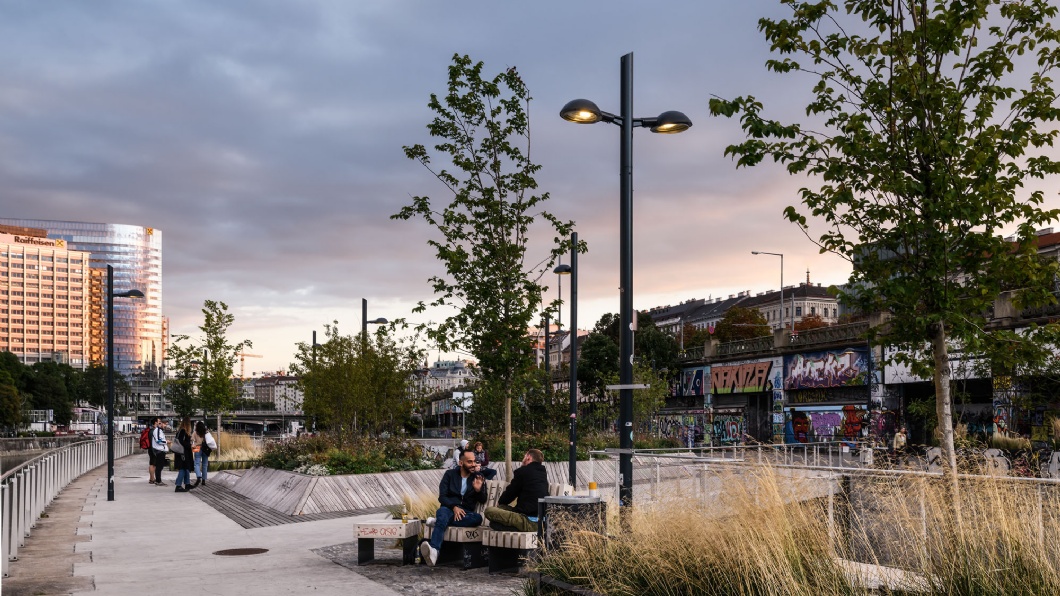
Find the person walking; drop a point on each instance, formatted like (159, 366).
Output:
(203, 445)
(183, 459)
(159, 447)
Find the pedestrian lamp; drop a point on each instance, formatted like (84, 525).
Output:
(572, 271)
(111, 295)
(583, 111)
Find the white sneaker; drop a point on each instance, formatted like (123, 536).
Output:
(429, 522)
(429, 554)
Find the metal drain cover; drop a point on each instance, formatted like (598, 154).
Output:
(240, 552)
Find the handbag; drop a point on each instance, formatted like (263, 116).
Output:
(176, 447)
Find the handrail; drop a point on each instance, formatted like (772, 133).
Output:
(27, 489)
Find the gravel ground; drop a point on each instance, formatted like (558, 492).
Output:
(442, 580)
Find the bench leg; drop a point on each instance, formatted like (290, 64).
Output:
(506, 559)
(409, 549)
(473, 555)
(365, 550)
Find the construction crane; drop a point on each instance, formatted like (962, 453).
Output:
(243, 364)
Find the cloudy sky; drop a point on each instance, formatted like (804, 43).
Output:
(265, 139)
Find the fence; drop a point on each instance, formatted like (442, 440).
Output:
(29, 488)
(878, 516)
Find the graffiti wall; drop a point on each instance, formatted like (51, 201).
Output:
(689, 428)
(694, 382)
(831, 423)
(744, 377)
(728, 427)
(832, 368)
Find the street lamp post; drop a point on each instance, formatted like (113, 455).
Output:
(572, 270)
(583, 111)
(110, 373)
(781, 311)
(365, 321)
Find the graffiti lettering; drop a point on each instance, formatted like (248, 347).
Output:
(826, 369)
(741, 378)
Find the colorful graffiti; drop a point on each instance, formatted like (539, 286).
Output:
(833, 368)
(728, 428)
(752, 377)
(689, 429)
(692, 381)
(830, 424)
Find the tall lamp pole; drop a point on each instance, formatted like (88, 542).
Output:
(583, 111)
(110, 373)
(781, 311)
(572, 270)
(365, 321)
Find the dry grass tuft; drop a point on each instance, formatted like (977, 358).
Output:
(768, 532)
(234, 441)
(1010, 444)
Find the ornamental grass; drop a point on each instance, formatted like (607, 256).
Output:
(766, 532)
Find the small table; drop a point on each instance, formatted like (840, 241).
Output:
(367, 532)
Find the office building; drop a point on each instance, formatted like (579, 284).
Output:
(44, 299)
(135, 252)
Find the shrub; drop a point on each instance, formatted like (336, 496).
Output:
(366, 455)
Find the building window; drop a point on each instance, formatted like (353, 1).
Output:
(813, 310)
(798, 311)
(833, 313)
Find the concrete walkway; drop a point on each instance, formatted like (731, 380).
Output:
(155, 541)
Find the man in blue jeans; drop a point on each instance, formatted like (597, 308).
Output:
(460, 491)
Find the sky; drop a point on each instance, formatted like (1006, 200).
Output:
(264, 138)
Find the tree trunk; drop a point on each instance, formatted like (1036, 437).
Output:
(944, 410)
(508, 438)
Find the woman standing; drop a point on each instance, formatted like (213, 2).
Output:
(184, 461)
(203, 444)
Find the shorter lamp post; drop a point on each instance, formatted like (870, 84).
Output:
(572, 270)
(110, 373)
(781, 311)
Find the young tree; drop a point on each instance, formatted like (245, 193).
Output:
(810, 322)
(929, 120)
(179, 388)
(490, 280)
(215, 357)
(740, 324)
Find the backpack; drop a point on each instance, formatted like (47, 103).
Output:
(145, 438)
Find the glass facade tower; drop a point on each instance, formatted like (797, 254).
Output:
(135, 252)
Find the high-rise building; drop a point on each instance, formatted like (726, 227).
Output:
(44, 299)
(135, 253)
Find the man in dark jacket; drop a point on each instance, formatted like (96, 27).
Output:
(528, 485)
(460, 491)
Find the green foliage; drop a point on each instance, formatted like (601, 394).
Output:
(203, 368)
(741, 324)
(928, 126)
(483, 131)
(365, 455)
(555, 445)
(11, 402)
(656, 355)
(357, 385)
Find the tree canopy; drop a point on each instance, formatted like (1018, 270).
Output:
(491, 281)
(929, 124)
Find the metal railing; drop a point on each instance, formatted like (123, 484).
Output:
(29, 488)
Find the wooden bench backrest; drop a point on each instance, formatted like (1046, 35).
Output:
(494, 488)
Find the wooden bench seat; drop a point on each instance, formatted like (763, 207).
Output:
(466, 544)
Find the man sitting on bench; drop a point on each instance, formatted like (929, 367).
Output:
(460, 491)
(529, 483)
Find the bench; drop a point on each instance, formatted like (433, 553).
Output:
(466, 544)
(368, 532)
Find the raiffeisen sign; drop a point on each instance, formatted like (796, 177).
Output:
(33, 241)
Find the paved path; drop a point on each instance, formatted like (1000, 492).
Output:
(153, 540)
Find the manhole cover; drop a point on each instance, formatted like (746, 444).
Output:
(239, 552)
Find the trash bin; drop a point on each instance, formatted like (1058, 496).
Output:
(581, 512)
